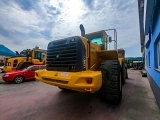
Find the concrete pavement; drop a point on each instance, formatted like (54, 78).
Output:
(141, 104)
(38, 101)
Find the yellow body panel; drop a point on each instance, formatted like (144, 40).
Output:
(11, 66)
(97, 55)
(107, 55)
(71, 80)
(7, 68)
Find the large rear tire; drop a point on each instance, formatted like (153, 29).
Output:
(111, 90)
(123, 73)
(126, 74)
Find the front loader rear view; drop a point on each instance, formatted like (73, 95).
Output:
(83, 63)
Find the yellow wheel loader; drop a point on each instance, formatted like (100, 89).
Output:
(24, 59)
(83, 63)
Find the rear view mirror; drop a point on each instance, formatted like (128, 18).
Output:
(109, 39)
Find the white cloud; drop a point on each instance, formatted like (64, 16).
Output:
(62, 19)
(24, 43)
(15, 19)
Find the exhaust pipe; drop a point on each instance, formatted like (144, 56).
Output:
(83, 34)
(82, 30)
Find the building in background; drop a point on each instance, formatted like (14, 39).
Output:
(5, 53)
(149, 19)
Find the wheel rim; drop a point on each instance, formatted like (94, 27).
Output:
(19, 79)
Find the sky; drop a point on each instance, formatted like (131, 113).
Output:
(25, 24)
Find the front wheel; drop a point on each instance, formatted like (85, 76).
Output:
(18, 79)
(111, 90)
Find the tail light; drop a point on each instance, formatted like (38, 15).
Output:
(88, 89)
(89, 80)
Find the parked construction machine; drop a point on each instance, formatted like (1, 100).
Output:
(24, 59)
(83, 63)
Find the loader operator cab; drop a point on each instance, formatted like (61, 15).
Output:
(33, 55)
(95, 38)
(38, 55)
(100, 38)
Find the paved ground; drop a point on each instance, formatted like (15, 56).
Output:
(38, 101)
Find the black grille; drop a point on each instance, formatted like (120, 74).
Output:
(65, 55)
